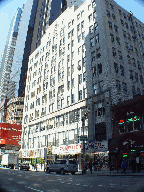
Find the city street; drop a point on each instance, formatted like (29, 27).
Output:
(27, 181)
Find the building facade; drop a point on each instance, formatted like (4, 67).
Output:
(15, 110)
(128, 131)
(89, 58)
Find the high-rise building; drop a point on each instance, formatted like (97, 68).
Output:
(91, 57)
(19, 51)
(7, 60)
(43, 14)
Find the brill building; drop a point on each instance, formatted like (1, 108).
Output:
(89, 59)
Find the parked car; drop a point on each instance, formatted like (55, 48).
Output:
(63, 166)
(16, 166)
(24, 166)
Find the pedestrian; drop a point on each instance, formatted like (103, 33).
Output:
(90, 166)
(123, 166)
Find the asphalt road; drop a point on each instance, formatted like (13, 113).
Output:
(28, 181)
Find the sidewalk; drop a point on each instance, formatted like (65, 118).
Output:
(106, 172)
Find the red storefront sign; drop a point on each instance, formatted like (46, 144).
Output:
(10, 133)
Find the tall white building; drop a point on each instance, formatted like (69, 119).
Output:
(91, 57)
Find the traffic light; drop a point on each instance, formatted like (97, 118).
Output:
(124, 154)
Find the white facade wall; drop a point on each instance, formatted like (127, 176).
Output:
(45, 64)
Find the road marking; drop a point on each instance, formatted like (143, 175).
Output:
(77, 184)
(85, 185)
(10, 179)
(62, 182)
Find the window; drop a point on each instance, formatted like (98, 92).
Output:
(85, 93)
(112, 37)
(73, 32)
(131, 74)
(92, 41)
(68, 100)
(141, 79)
(63, 40)
(101, 86)
(114, 17)
(68, 58)
(94, 71)
(73, 98)
(126, 24)
(136, 77)
(83, 48)
(124, 33)
(133, 90)
(73, 83)
(118, 86)
(78, 27)
(122, 22)
(100, 68)
(96, 26)
(83, 35)
(79, 38)
(69, 35)
(108, 13)
(79, 50)
(110, 25)
(73, 22)
(82, 24)
(84, 76)
(90, 17)
(84, 61)
(91, 29)
(72, 55)
(94, 14)
(134, 62)
(112, 7)
(120, 55)
(97, 38)
(129, 37)
(89, 7)
(124, 15)
(80, 95)
(78, 16)
(136, 51)
(116, 28)
(116, 67)
(72, 43)
(120, 13)
(93, 3)
(118, 40)
(122, 70)
(114, 51)
(138, 91)
(80, 78)
(69, 46)
(69, 24)
(68, 85)
(139, 66)
(82, 13)
(72, 68)
(95, 89)
(129, 59)
(124, 85)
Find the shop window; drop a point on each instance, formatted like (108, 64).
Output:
(137, 123)
(121, 125)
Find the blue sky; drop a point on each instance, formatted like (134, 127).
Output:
(8, 8)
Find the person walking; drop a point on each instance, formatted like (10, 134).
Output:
(124, 166)
(90, 166)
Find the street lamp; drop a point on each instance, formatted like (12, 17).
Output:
(83, 125)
